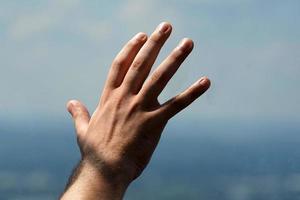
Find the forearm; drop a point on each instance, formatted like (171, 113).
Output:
(88, 183)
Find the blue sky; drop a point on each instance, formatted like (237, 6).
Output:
(52, 51)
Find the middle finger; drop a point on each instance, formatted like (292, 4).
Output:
(144, 60)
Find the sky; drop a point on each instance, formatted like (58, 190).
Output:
(53, 51)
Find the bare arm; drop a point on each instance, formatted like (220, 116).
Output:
(118, 140)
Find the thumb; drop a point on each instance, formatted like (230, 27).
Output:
(80, 116)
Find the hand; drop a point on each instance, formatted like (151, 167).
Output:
(117, 141)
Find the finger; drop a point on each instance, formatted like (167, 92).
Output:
(161, 76)
(144, 60)
(181, 101)
(124, 59)
(80, 116)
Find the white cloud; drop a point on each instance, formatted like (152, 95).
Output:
(28, 25)
(59, 15)
(145, 15)
(135, 9)
(96, 31)
(226, 60)
(213, 1)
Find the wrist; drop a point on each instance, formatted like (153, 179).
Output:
(92, 183)
(117, 182)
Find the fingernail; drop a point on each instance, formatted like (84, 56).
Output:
(164, 27)
(71, 104)
(70, 107)
(141, 36)
(202, 81)
(185, 44)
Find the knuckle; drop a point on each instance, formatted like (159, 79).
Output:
(77, 114)
(177, 57)
(137, 64)
(159, 116)
(155, 77)
(80, 136)
(158, 77)
(156, 38)
(117, 62)
(178, 104)
(177, 54)
(194, 94)
(132, 43)
(135, 104)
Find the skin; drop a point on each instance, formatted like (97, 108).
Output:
(118, 140)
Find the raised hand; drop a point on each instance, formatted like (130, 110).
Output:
(117, 141)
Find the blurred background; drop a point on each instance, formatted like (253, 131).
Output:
(240, 141)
